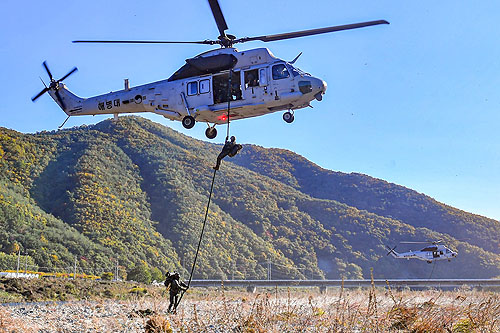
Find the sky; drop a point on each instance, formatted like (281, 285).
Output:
(414, 103)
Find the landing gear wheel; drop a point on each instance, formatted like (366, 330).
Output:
(211, 132)
(188, 122)
(288, 117)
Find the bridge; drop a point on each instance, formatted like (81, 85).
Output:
(323, 284)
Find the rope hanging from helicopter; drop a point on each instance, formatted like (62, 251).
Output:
(433, 266)
(199, 242)
(229, 97)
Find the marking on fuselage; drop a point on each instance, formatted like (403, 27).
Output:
(109, 104)
(75, 109)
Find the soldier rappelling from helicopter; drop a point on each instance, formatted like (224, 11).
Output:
(230, 148)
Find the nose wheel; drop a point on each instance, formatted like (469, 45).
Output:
(288, 117)
(188, 122)
(211, 132)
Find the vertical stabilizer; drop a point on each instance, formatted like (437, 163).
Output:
(67, 101)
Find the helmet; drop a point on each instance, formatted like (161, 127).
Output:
(233, 138)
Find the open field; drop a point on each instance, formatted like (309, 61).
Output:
(271, 310)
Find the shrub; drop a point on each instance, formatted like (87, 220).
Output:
(140, 273)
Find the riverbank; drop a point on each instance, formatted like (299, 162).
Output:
(54, 289)
(218, 310)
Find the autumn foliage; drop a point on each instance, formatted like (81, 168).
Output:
(135, 192)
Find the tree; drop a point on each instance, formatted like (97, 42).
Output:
(140, 273)
(13, 248)
(156, 274)
(9, 261)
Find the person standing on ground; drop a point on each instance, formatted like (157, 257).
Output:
(176, 286)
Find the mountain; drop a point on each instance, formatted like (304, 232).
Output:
(135, 192)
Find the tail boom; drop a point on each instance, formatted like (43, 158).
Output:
(123, 101)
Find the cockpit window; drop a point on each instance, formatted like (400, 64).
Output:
(280, 72)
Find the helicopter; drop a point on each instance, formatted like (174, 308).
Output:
(213, 87)
(434, 252)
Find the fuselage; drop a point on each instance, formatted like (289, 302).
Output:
(260, 84)
(429, 254)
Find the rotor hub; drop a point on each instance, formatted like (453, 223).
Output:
(227, 40)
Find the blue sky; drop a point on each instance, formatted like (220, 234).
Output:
(415, 103)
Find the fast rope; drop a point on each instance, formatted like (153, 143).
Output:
(199, 242)
(433, 266)
(229, 97)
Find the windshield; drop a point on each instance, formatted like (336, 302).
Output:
(296, 71)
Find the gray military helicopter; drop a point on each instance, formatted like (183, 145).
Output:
(254, 82)
(433, 252)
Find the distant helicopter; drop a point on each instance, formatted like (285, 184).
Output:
(254, 82)
(435, 251)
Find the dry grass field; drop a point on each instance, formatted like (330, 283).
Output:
(278, 310)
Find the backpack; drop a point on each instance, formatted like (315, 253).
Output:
(167, 282)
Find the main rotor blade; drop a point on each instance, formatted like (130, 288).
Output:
(47, 69)
(40, 94)
(69, 73)
(303, 33)
(209, 42)
(416, 242)
(218, 16)
(424, 242)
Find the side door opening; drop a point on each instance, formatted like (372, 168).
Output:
(220, 89)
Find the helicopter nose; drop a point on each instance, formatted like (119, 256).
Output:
(319, 87)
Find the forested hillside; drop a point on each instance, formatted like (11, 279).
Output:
(136, 191)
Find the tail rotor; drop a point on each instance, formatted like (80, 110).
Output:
(54, 84)
(391, 251)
